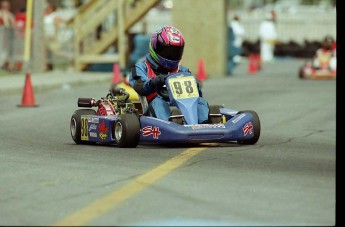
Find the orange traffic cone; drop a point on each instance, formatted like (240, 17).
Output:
(117, 77)
(201, 74)
(28, 99)
(252, 66)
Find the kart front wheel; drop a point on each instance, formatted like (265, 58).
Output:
(256, 126)
(127, 130)
(75, 124)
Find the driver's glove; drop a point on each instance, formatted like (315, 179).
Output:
(157, 82)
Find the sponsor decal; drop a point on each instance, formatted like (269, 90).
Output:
(149, 130)
(93, 134)
(248, 128)
(95, 120)
(84, 128)
(195, 127)
(238, 118)
(92, 127)
(103, 130)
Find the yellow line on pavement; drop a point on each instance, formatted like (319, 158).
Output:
(115, 198)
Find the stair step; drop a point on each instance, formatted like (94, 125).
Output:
(94, 14)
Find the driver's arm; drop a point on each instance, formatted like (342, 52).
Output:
(139, 81)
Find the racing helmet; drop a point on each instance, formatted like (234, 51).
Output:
(166, 47)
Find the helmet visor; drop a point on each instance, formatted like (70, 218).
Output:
(173, 53)
(168, 64)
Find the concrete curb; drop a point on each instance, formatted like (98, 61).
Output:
(44, 85)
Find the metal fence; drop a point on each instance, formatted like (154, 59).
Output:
(12, 43)
(296, 27)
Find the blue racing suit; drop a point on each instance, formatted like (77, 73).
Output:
(141, 75)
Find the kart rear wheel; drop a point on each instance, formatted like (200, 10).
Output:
(127, 130)
(75, 125)
(257, 128)
(214, 116)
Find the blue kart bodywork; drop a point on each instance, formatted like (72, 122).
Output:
(240, 126)
(154, 130)
(237, 127)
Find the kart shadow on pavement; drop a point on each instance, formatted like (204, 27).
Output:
(189, 145)
(144, 146)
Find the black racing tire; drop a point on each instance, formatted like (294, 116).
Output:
(257, 128)
(126, 130)
(214, 109)
(75, 125)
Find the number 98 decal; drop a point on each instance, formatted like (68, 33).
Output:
(183, 88)
(84, 128)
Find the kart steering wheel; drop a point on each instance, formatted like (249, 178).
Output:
(163, 92)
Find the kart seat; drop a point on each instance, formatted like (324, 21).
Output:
(176, 115)
(144, 103)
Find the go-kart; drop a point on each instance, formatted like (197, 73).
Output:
(126, 123)
(309, 71)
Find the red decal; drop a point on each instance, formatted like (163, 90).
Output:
(148, 131)
(248, 128)
(103, 130)
(102, 127)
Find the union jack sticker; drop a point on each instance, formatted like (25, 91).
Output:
(149, 130)
(248, 128)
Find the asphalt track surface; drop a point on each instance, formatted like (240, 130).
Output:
(287, 178)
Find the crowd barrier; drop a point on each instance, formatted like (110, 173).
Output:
(59, 51)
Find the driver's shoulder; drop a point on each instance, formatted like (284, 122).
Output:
(138, 71)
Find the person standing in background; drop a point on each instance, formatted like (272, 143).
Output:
(7, 26)
(235, 35)
(7, 17)
(20, 21)
(274, 16)
(52, 21)
(268, 37)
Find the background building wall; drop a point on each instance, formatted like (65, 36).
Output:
(203, 23)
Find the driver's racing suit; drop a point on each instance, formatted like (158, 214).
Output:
(139, 78)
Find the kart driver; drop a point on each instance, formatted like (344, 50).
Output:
(148, 76)
(326, 55)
